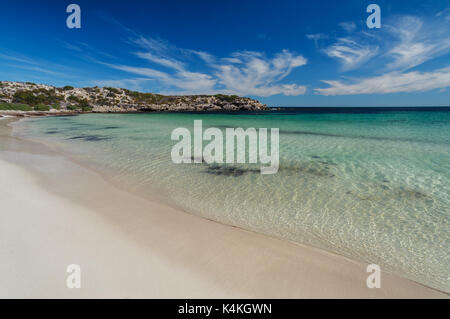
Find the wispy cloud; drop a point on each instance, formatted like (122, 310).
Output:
(167, 62)
(183, 81)
(416, 42)
(350, 53)
(391, 83)
(206, 57)
(85, 49)
(241, 73)
(18, 58)
(255, 74)
(401, 45)
(38, 67)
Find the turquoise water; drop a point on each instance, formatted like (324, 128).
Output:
(370, 185)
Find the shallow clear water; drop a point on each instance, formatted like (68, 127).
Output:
(371, 185)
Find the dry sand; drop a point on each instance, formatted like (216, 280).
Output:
(54, 212)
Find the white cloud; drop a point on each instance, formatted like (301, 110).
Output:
(206, 57)
(351, 53)
(177, 78)
(170, 63)
(416, 42)
(400, 45)
(242, 73)
(255, 74)
(195, 83)
(152, 45)
(231, 60)
(391, 83)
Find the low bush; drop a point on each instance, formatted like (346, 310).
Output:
(227, 98)
(73, 98)
(72, 107)
(35, 97)
(15, 107)
(85, 108)
(42, 107)
(112, 90)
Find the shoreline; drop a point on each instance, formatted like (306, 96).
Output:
(134, 247)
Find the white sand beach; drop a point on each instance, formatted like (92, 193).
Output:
(55, 212)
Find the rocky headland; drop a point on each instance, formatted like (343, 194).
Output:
(39, 99)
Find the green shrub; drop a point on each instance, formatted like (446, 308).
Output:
(56, 106)
(15, 107)
(35, 97)
(73, 98)
(72, 107)
(67, 88)
(85, 108)
(25, 97)
(146, 97)
(228, 98)
(82, 105)
(112, 90)
(42, 107)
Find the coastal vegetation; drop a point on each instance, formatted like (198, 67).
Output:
(228, 98)
(36, 97)
(41, 97)
(42, 107)
(27, 108)
(15, 107)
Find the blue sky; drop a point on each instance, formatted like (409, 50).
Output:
(284, 53)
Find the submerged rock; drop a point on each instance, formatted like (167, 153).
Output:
(229, 170)
(89, 138)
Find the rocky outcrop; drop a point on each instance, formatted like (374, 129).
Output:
(107, 99)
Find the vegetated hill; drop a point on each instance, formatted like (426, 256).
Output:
(41, 97)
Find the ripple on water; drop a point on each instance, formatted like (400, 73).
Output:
(372, 187)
